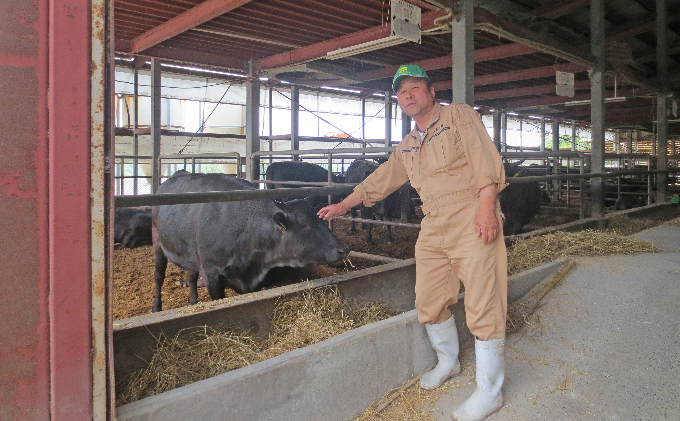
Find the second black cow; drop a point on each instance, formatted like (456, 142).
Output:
(300, 171)
(385, 209)
(235, 244)
(131, 228)
(519, 201)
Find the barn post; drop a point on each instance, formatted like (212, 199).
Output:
(462, 49)
(155, 124)
(557, 164)
(497, 127)
(135, 126)
(542, 147)
(504, 131)
(597, 49)
(405, 125)
(252, 123)
(388, 118)
(271, 123)
(661, 99)
(295, 120)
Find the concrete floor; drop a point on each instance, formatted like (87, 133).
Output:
(604, 344)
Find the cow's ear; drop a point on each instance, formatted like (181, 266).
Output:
(281, 220)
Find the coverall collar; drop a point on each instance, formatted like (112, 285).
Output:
(434, 117)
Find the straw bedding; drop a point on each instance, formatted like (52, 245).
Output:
(202, 352)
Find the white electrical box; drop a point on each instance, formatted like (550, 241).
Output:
(405, 20)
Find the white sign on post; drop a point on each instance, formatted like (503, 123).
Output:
(565, 84)
(405, 20)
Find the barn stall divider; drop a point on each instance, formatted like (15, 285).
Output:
(335, 379)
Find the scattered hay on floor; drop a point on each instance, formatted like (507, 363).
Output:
(626, 226)
(535, 251)
(413, 404)
(202, 352)
(673, 222)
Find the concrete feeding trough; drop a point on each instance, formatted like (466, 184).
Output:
(335, 379)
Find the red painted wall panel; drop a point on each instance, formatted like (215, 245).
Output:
(45, 367)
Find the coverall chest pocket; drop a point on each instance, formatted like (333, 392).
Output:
(444, 151)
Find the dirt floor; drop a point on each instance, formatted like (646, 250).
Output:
(133, 268)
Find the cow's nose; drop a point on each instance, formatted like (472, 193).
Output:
(343, 252)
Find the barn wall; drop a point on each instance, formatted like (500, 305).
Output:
(45, 258)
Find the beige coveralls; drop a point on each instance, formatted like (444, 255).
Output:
(455, 159)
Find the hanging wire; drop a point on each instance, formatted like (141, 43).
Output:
(200, 129)
(313, 113)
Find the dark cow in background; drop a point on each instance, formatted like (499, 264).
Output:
(131, 228)
(520, 201)
(385, 209)
(300, 171)
(234, 244)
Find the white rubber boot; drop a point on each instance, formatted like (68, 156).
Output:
(444, 340)
(487, 397)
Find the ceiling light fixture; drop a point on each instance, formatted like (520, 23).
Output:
(365, 47)
(587, 101)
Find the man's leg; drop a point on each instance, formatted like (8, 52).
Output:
(436, 289)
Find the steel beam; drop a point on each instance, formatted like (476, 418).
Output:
(555, 9)
(486, 54)
(181, 56)
(536, 72)
(320, 49)
(183, 22)
(462, 50)
(526, 91)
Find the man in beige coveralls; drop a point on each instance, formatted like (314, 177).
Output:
(451, 161)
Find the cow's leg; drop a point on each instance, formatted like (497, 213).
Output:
(193, 290)
(388, 235)
(159, 276)
(368, 227)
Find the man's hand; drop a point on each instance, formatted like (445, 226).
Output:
(332, 210)
(339, 208)
(486, 224)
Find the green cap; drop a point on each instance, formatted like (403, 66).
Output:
(412, 70)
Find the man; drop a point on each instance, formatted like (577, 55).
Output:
(452, 163)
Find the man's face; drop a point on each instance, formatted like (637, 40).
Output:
(414, 98)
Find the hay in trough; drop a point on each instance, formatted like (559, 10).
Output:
(202, 352)
(535, 251)
(625, 225)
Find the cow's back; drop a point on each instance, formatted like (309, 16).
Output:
(181, 230)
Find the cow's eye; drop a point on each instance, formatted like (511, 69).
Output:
(303, 226)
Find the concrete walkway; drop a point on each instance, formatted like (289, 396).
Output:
(604, 344)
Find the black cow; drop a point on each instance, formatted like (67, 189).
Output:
(388, 208)
(520, 201)
(234, 244)
(131, 228)
(300, 171)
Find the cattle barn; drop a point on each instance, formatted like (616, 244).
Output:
(103, 100)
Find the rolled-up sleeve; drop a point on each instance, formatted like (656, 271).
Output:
(388, 177)
(483, 158)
